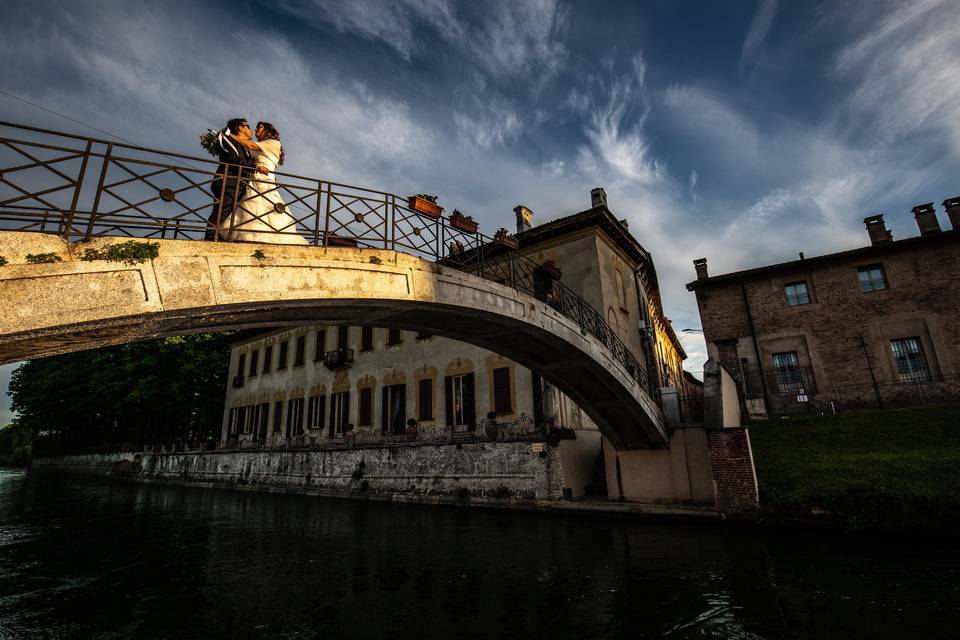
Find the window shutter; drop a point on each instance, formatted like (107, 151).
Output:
(333, 413)
(426, 400)
(310, 409)
(501, 390)
(366, 338)
(448, 398)
(343, 336)
(267, 358)
(321, 409)
(385, 410)
(365, 417)
(321, 345)
(240, 363)
(346, 409)
(402, 390)
(469, 411)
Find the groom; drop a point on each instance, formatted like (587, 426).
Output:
(230, 183)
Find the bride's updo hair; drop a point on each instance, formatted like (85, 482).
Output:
(270, 133)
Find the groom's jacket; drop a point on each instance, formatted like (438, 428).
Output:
(232, 155)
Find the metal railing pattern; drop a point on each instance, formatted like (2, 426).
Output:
(79, 188)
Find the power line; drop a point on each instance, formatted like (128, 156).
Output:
(57, 113)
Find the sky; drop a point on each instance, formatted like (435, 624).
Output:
(742, 131)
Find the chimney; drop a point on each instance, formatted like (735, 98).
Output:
(524, 218)
(598, 198)
(952, 205)
(877, 230)
(926, 217)
(700, 264)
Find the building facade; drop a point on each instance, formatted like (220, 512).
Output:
(872, 327)
(372, 386)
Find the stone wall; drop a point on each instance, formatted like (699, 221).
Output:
(731, 460)
(500, 470)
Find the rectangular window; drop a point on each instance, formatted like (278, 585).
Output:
(786, 367)
(267, 358)
(264, 421)
(282, 360)
(394, 336)
(298, 352)
(366, 338)
(321, 346)
(343, 337)
(425, 399)
(911, 362)
(365, 410)
(502, 402)
(294, 417)
(872, 278)
(254, 362)
(316, 410)
(339, 412)
(278, 416)
(393, 411)
(241, 422)
(241, 364)
(797, 293)
(253, 418)
(459, 402)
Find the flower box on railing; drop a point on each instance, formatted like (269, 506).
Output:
(503, 238)
(462, 222)
(426, 205)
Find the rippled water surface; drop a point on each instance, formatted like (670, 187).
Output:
(84, 557)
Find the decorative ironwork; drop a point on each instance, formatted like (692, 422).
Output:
(80, 187)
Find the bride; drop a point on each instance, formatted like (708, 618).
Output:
(261, 216)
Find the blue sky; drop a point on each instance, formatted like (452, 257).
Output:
(740, 131)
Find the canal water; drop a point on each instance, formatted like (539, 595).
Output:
(87, 557)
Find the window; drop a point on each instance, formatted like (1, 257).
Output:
(241, 363)
(264, 410)
(365, 411)
(459, 402)
(911, 362)
(797, 293)
(294, 417)
(321, 345)
(872, 278)
(282, 361)
(299, 350)
(267, 358)
(366, 338)
(425, 398)
(238, 423)
(343, 337)
(278, 416)
(786, 367)
(394, 336)
(339, 412)
(253, 417)
(502, 402)
(316, 407)
(254, 362)
(393, 411)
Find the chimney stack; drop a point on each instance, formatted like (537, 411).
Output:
(926, 217)
(952, 205)
(700, 264)
(598, 198)
(524, 218)
(877, 230)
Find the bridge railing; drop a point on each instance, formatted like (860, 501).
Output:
(79, 188)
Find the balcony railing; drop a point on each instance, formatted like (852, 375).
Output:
(80, 188)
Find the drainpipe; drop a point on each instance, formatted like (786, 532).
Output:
(756, 347)
(873, 378)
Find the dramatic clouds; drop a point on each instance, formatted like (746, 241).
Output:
(742, 134)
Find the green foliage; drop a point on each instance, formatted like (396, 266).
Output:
(42, 258)
(881, 469)
(259, 255)
(130, 252)
(16, 445)
(3, 261)
(159, 391)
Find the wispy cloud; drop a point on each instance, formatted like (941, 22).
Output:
(751, 53)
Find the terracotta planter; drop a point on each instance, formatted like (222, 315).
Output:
(424, 206)
(506, 241)
(460, 222)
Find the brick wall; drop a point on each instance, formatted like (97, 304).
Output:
(731, 462)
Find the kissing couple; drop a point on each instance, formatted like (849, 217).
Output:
(247, 204)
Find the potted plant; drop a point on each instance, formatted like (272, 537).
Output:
(425, 204)
(462, 222)
(502, 237)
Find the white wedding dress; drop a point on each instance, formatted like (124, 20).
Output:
(256, 216)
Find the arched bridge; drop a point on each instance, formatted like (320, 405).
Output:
(373, 258)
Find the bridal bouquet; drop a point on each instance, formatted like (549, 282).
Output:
(210, 141)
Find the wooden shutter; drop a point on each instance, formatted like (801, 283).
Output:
(366, 338)
(385, 410)
(299, 353)
(254, 362)
(282, 359)
(501, 390)
(425, 390)
(343, 336)
(311, 407)
(278, 416)
(346, 410)
(321, 410)
(402, 390)
(469, 411)
(448, 398)
(333, 413)
(321, 345)
(365, 417)
(267, 358)
(241, 361)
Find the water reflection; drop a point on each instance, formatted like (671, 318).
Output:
(85, 557)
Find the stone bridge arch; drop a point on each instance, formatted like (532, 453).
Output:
(70, 304)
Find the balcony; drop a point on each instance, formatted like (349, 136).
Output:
(338, 358)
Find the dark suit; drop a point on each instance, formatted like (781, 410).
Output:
(230, 184)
